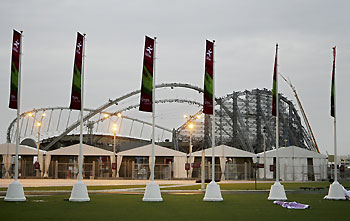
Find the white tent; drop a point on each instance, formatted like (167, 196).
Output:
(7, 150)
(295, 164)
(74, 150)
(224, 151)
(10, 148)
(159, 151)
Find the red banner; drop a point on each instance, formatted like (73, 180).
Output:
(75, 102)
(333, 86)
(208, 78)
(147, 76)
(274, 86)
(15, 68)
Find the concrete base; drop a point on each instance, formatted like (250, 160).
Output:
(277, 192)
(152, 193)
(336, 192)
(15, 192)
(79, 192)
(213, 192)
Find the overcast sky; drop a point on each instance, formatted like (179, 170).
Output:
(245, 31)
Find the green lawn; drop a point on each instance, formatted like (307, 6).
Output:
(174, 207)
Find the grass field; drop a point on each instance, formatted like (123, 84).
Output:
(174, 207)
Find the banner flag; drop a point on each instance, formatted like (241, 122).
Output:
(15, 66)
(333, 86)
(208, 78)
(147, 76)
(75, 102)
(274, 86)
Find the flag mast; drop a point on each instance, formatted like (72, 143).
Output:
(277, 190)
(79, 192)
(336, 190)
(213, 122)
(277, 121)
(18, 107)
(212, 192)
(153, 107)
(15, 190)
(152, 192)
(333, 110)
(80, 176)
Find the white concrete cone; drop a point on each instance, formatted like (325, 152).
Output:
(336, 192)
(152, 193)
(213, 192)
(277, 192)
(79, 192)
(15, 192)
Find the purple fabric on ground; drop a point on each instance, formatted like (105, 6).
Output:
(292, 205)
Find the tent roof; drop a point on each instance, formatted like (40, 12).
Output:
(10, 148)
(73, 150)
(223, 150)
(146, 150)
(292, 151)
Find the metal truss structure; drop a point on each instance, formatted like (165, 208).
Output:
(243, 119)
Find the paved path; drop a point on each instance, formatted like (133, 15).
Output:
(104, 182)
(70, 182)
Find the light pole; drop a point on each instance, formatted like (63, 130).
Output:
(264, 156)
(39, 125)
(114, 142)
(190, 126)
(37, 168)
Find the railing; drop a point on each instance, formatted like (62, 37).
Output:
(141, 171)
(132, 170)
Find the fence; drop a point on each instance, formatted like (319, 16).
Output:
(132, 170)
(141, 171)
(25, 169)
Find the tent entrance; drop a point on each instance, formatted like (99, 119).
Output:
(310, 169)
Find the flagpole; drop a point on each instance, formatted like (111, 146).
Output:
(153, 106)
(213, 121)
(80, 176)
(335, 150)
(213, 192)
(277, 125)
(152, 191)
(336, 190)
(79, 192)
(18, 107)
(277, 189)
(15, 190)
(335, 125)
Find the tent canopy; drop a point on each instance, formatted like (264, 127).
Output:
(73, 150)
(224, 151)
(10, 148)
(293, 151)
(146, 150)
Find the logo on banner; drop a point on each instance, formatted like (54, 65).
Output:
(13, 97)
(79, 47)
(149, 50)
(209, 53)
(16, 45)
(75, 99)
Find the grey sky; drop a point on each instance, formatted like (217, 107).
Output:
(246, 33)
